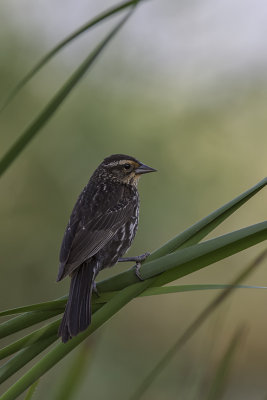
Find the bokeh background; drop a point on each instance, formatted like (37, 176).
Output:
(183, 88)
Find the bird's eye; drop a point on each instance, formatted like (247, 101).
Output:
(127, 166)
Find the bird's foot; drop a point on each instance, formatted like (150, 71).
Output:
(137, 271)
(138, 260)
(138, 264)
(143, 257)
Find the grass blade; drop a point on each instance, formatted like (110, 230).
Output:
(195, 257)
(158, 290)
(31, 391)
(24, 321)
(23, 357)
(57, 305)
(56, 101)
(39, 334)
(185, 261)
(62, 349)
(198, 256)
(74, 375)
(154, 291)
(219, 382)
(101, 17)
(202, 228)
(196, 324)
(31, 318)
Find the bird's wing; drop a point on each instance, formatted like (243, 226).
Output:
(71, 230)
(92, 235)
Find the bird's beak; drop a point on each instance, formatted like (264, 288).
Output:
(144, 169)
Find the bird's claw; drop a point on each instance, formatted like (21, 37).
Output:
(137, 271)
(142, 257)
(138, 264)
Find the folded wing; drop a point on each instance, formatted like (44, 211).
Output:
(84, 237)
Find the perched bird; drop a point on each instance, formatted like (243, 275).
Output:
(101, 228)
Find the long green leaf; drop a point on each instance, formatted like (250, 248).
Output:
(206, 225)
(31, 318)
(74, 374)
(154, 291)
(193, 327)
(195, 257)
(185, 261)
(24, 321)
(219, 381)
(23, 357)
(99, 18)
(62, 349)
(31, 391)
(56, 101)
(39, 334)
(57, 305)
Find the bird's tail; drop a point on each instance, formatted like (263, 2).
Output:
(77, 315)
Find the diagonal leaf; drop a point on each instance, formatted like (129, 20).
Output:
(30, 318)
(101, 17)
(195, 257)
(57, 100)
(39, 334)
(57, 305)
(23, 357)
(154, 291)
(219, 381)
(31, 391)
(185, 261)
(24, 321)
(202, 228)
(74, 374)
(62, 349)
(158, 290)
(193, 327)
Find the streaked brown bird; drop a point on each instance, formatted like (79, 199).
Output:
(101, 228)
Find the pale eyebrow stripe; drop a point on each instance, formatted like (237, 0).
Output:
(121, 162)
(112, 164)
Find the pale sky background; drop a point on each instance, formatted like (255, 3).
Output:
(178, 44)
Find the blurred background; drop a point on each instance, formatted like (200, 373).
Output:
(183, 88)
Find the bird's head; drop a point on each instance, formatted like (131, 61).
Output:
(123, 168)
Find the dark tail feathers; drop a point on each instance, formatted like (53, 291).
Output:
(77, 315)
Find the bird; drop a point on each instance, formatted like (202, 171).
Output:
(101, 228)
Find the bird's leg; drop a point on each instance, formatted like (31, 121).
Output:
(138, 260)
